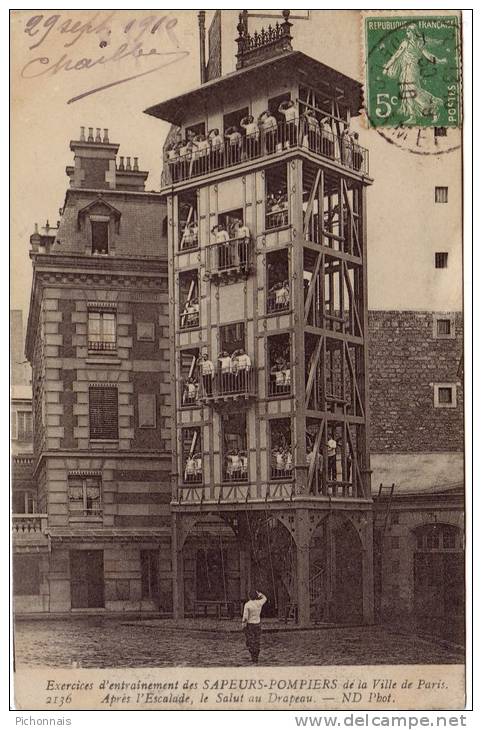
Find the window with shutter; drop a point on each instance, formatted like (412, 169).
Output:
(146, 408)
(103, 412)
(102, 331)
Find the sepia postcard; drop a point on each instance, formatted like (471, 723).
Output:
(237, 372)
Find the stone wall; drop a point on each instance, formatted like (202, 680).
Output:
(405, 361)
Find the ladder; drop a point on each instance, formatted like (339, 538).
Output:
(385, 491)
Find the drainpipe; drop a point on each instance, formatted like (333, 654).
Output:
(202, 44)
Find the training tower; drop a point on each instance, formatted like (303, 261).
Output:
(258, 497)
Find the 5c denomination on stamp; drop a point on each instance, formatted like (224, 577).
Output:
(413, 71)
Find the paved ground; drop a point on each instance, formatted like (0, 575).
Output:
(111, 643)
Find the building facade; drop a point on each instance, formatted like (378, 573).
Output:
(98, 342)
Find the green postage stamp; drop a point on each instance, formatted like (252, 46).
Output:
(413, 71)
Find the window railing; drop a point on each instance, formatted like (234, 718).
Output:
(104, 346)
(240, 381)
(278, 301)
(193, 474)
(298, 133)
(188, 243)
(189, 317)
(232, 255)
(235, 468)
(279, 383)
(277, 218)
(282, 467)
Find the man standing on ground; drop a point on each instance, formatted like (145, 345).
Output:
(252, 623)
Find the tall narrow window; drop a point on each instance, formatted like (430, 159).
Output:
(103, 413)
(276, 197)
(188, 220)
(441, 195)
(102, 331)
(24, 426)
(84, 495)
(192, 466)
(277, 279)
(441, 260)
(235, 442)
(189, 299)
(281, 452)
(100, 237)
(189, 371)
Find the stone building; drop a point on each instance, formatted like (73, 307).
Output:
(97, 339)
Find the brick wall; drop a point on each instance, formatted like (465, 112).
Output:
(405, 361)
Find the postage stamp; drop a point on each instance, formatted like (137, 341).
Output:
(413, 71)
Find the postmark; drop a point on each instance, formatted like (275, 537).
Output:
(412, 66)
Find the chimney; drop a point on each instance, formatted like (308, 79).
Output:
(202, 44)
(128, 163)
(97, 135)
(121, 163)
(90, 138)
(106, 136)
(136, 164)
(82, 134)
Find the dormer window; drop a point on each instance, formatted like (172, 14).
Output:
(100, 236)
(100, 222)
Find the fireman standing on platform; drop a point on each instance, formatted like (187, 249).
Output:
(252, 623)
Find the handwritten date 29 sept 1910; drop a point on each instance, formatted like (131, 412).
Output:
(39, 27)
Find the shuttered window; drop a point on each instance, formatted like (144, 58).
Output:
(441, 195)
(103, 412)
(146, 406)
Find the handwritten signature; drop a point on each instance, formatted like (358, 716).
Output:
(133, 48)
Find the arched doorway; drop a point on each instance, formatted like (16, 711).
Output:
(211, 564)
(273, 562)
(439, 572)
(348, 575)
(336, 572)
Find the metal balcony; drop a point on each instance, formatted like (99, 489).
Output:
(229, 261)
(297, 134)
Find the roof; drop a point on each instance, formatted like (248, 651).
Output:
(309, 70)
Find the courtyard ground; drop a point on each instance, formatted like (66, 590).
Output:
(99, 642)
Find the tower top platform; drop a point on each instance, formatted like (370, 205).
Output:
(290, 65)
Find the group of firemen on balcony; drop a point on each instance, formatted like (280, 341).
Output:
(282, 461)
(199, 153)
(233, 376)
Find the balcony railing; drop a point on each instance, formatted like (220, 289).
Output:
(29, 523)
(278, 300)
(281, 464)
(298, 134)
(279, 383)
(189, 317)
(231, 259)
(239, 384)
